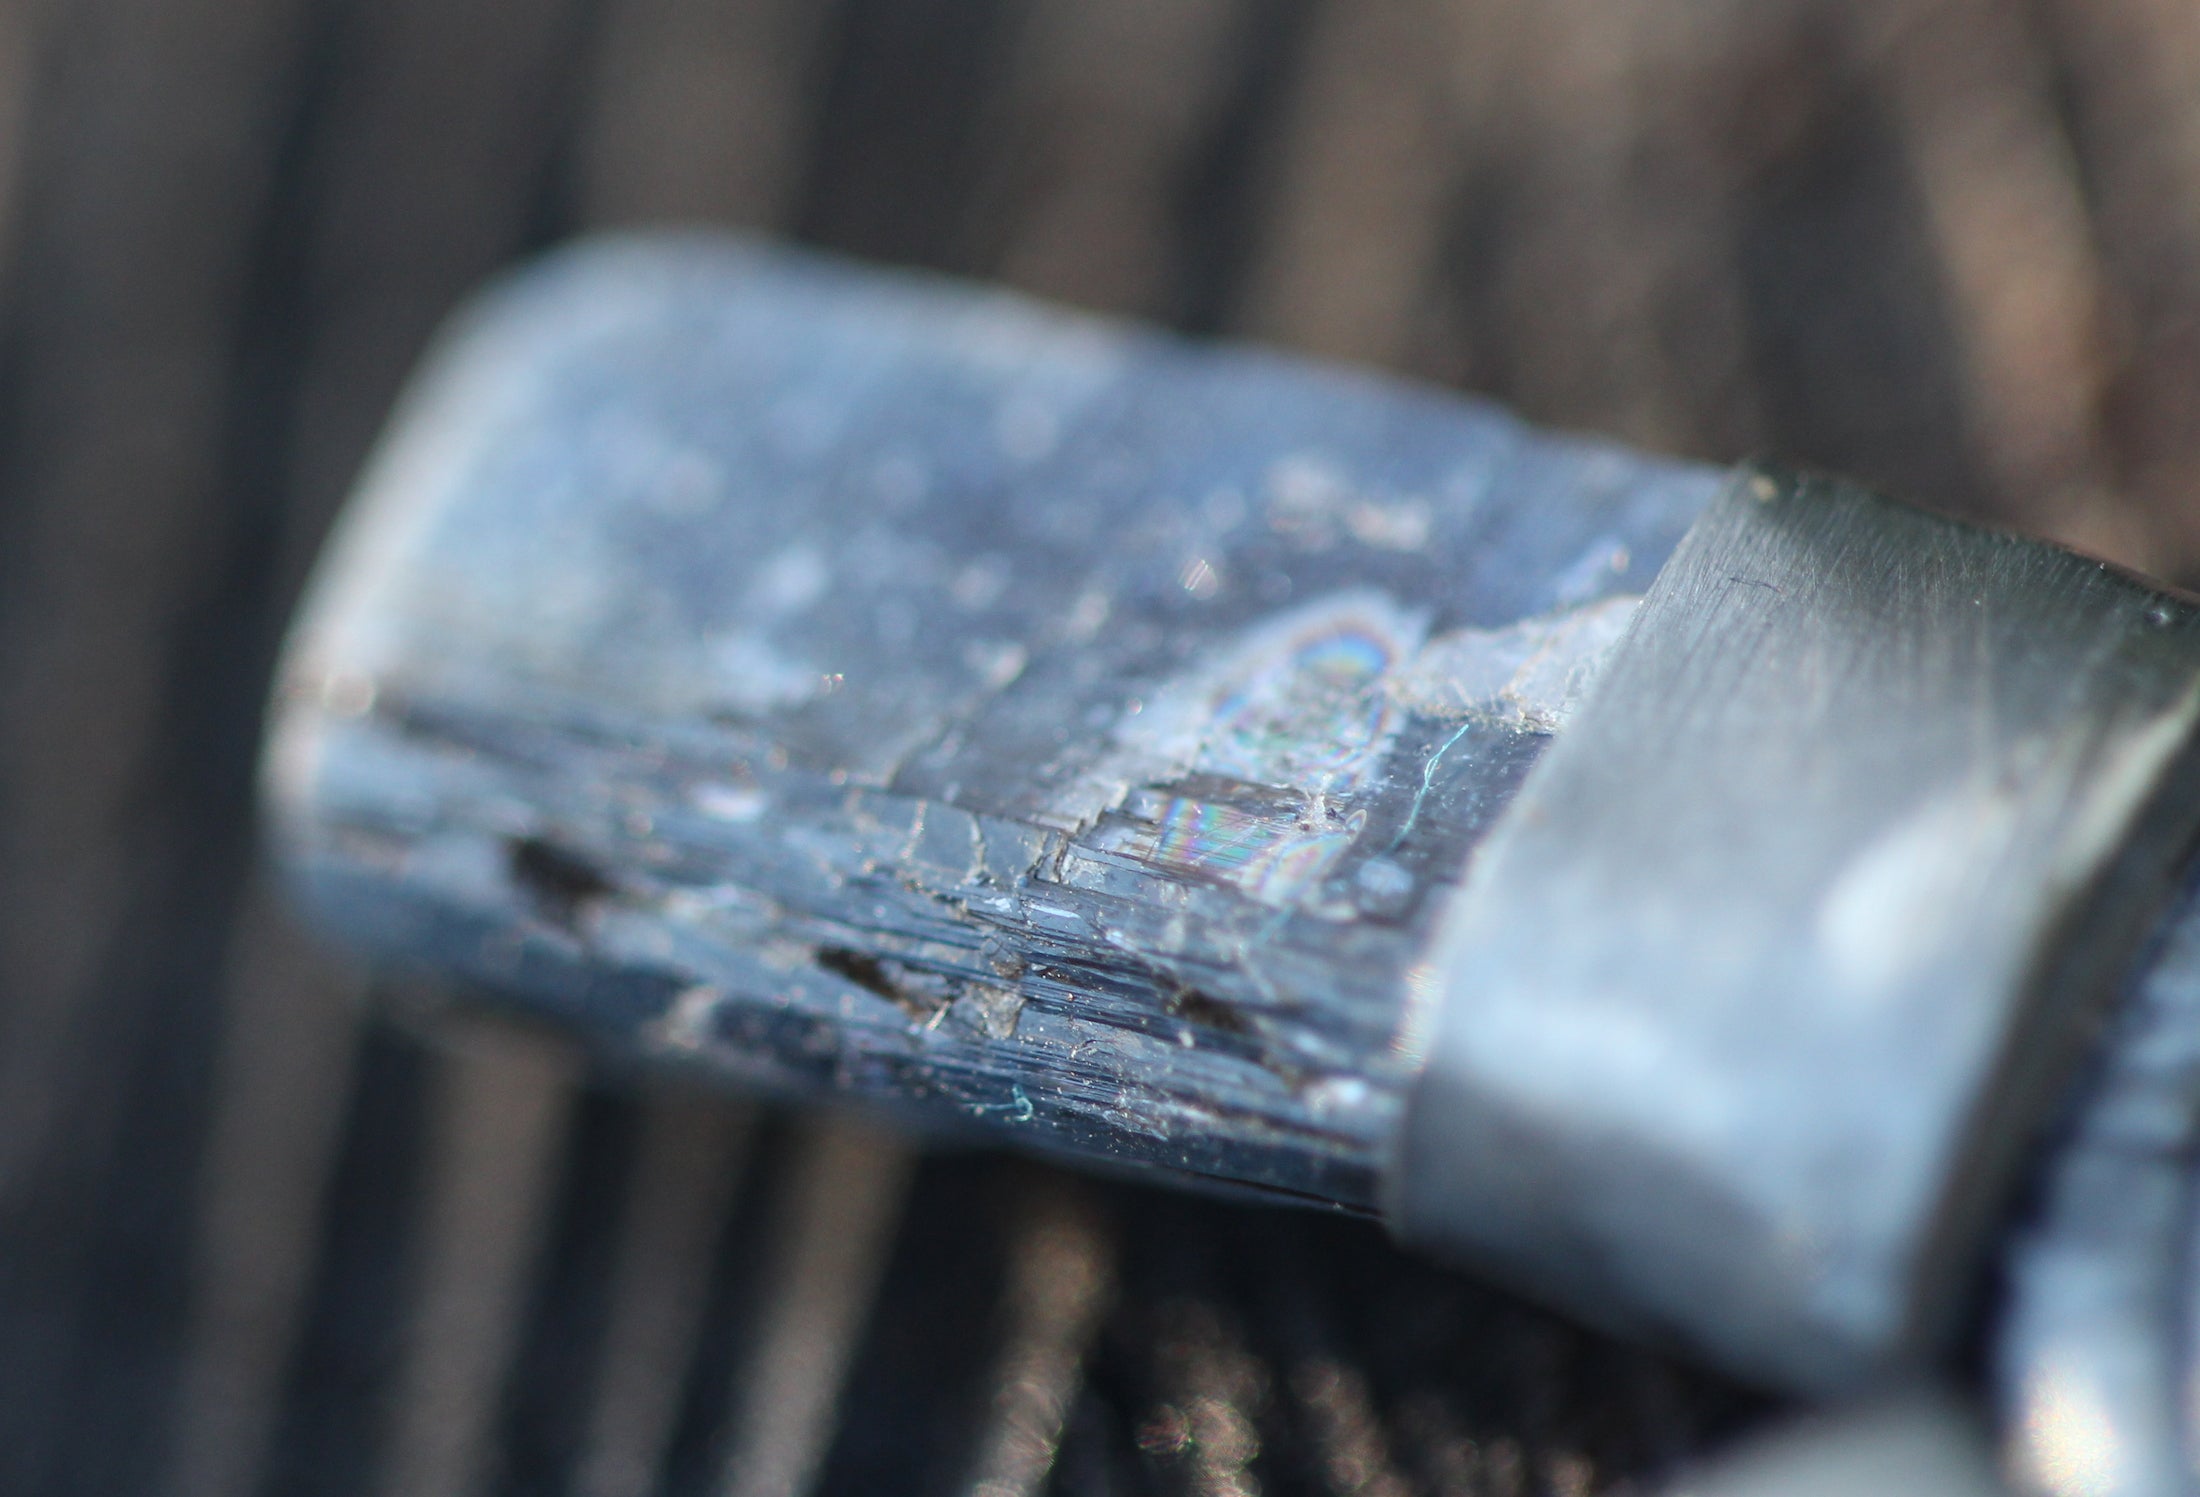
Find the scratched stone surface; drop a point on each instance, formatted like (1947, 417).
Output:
(870, 687)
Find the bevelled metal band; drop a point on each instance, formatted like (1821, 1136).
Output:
(1750, 1000)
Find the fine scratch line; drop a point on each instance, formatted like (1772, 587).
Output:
(1428, 778)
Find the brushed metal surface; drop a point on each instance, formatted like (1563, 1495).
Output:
(1759, 985)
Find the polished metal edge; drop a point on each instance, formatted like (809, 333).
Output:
(1749, 1002)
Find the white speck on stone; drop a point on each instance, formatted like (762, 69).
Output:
(1398, 525)
(753, 678)
(996, 662)
(979, 585)
(1315, 504)
(1306, 483)
(737, 803)
(1533, 673)
(686, 1022)
(790, 581)
(1335, 1094)
(1087, 615)
(1590, 575)
(1467, 488)
(1306, 496)
(348, 694)
(1200, 578)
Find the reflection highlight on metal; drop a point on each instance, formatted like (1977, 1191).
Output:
(2094, 1354)
(2065, 1436)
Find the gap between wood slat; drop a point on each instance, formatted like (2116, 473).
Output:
(1613, 281)
(290, 1030)
(2127, 74)
(435, 161)
(149, 125)
(401, 226)
(155, 125)
(695, 110)
(1061, 1276)
(692, 1159)
(1352, 238)
(501, 1106)
(1969, 81)
(18, 47)
(832, 1237)
(1104, 108)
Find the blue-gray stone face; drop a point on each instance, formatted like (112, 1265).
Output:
(854, 683)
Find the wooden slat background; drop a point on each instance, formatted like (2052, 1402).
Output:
(250, 1243)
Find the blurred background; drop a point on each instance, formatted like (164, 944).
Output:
(252, 1242)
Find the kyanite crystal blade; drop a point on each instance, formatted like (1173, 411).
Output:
(855, 683)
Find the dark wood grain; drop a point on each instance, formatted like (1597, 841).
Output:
(124, 757)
